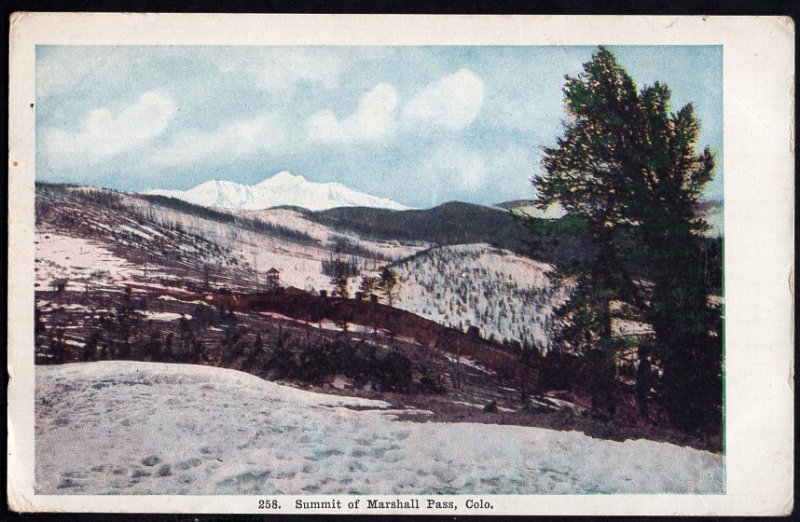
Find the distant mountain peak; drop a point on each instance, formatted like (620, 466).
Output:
(283, 176)
(282, 189)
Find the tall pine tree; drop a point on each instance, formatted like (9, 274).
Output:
(628, 167)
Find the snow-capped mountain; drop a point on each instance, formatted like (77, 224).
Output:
(281, 189)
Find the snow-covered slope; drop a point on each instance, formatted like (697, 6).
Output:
(77, 261)
(507, 296)
(120, 427)
(283, 188)
(528, 208)
(96, 238)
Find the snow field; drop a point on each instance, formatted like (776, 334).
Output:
(119, 427)
(287, 218)
(77, 259)
(164, 316)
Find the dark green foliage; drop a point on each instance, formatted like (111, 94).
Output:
(388, 284)
(281, 362)
(39, 327)
(560, 371)
(204, 316)
(690, 356)
(368, 287)
(255, 354)
(233, 344)
(598, 378)
(339, 268)
(122, 327)
(569, 224)
(711, 261)
(167, 353)
(585, 320)
(396, 373)
(340, 272)
(319, 362)
(153, 347)
(627, 167)
(58, 345)
(428, 384)
(90, 348)
(258, 344)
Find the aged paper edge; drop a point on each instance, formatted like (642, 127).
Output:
(759, 231)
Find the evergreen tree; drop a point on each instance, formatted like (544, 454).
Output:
(340, 280)
(368, 287)
(628, 167)
(388, 285)
(340, 277)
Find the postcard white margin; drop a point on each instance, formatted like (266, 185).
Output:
(758, 69)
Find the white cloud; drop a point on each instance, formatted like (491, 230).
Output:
(372, 120)
(237, 139)
(453, 102)
(103, 135)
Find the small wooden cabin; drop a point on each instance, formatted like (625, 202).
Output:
(273, 278)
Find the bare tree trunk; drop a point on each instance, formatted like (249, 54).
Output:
(642, 382)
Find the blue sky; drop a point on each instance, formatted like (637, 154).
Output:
(421, 125)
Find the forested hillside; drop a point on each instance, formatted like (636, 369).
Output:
(508, 297)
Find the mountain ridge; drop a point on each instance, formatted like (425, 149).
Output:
(282, 189)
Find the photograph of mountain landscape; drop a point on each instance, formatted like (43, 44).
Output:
(385, 270)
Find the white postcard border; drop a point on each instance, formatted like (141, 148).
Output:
(758, 69)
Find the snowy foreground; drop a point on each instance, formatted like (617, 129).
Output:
(149, 428)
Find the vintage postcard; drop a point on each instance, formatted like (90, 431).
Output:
(401, 264)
